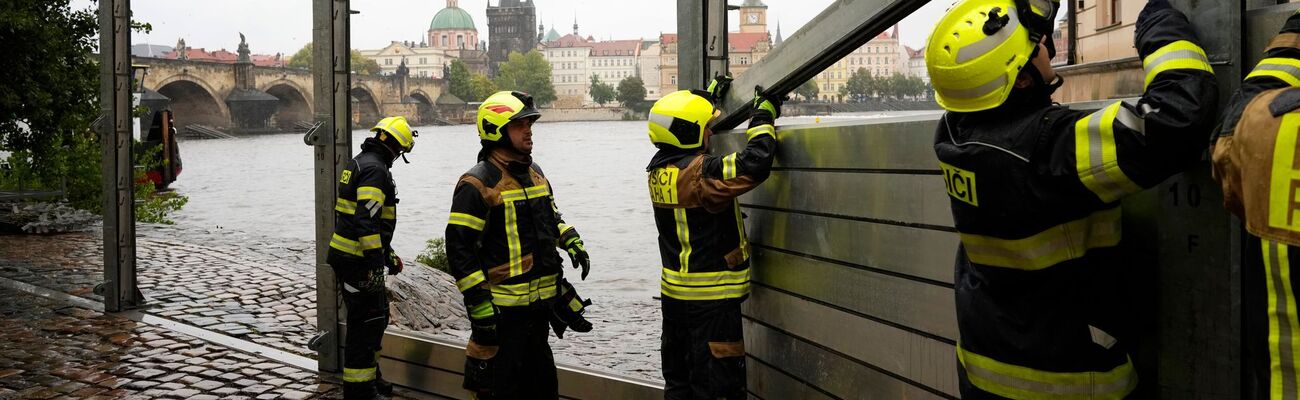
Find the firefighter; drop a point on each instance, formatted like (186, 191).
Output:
(1255, 161)
(1035, 187)
(702, 243)
(365, 215)
(502, 237)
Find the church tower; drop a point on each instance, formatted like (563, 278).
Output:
(753, 16)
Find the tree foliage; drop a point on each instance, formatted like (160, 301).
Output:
(601, 92)
(808, 90)
(459, 81)
(631, 92)
(481, 87)
(529, 73)
(862, 85)
(49, 96)
(360, 64)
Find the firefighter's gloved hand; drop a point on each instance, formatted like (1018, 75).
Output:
(578, 255)
(719, 87)
(395, 265)
(484, 333)
(766, 109)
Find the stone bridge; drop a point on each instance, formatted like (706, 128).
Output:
(208, 93)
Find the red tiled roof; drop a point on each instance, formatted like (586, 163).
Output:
(569, 40)
(616, 48)
(667, 38)
(745, 41)
(223, 56)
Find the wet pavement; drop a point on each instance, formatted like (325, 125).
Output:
(262, 291)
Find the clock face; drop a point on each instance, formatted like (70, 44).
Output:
(753, 18)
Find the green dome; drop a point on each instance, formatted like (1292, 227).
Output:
(452, 18)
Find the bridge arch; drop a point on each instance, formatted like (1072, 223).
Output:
(426, 107)
(294, 106)
(365, 107)
(193, 101)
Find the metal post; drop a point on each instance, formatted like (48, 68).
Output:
(332, 145)
(690, 43)
(716, 56)
(115, 141)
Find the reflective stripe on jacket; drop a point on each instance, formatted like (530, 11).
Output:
(1034, 190)
(702, 242)
(502, 236)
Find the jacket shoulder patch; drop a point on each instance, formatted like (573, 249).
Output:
(347, 176)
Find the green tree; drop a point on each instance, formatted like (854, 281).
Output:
(601, 92)
(482, 87)
(808, 90)
(631, 92)
(529, 73)
(360, 64)
(434, 255)
(459, 81)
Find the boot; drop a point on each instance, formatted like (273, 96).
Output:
(383, 387)
(361, 391)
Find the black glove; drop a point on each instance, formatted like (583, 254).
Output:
(578, 255)
(718, 87)
(766, 108)
(395, 265)
(484, 333)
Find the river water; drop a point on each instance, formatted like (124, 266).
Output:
(263, 185)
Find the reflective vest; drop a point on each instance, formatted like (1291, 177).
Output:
(365, 212)
(702, 242)
(502, 236)
(1034, 191)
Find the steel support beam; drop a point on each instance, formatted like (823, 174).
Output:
(332, 145)
(836, 32)
(120, 291)
(702, 49)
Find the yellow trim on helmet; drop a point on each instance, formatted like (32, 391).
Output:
(972, 71)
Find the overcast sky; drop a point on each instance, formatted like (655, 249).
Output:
(285, 25)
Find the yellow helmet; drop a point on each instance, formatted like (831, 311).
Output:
(399, 130)
(978, 48)
(679, 118)
(499, 109)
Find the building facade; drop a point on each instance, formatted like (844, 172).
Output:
(613, 60)
(1105, 64)
(744, 48)
(510, 30)
(648, 69)
(452, 35)
(569, 56)
(880, 57)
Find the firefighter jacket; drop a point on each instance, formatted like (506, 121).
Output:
(1256, 157)
(1257, 162)
(702, 240)
(502, 235)
(1034, 191)
(365, 212)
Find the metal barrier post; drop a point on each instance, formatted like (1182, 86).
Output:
(332, 144)
(115, 141)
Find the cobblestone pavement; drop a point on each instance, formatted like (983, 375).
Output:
(263, 291)
(53, 350)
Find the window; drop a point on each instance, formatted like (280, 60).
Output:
(388, 61)
(1107, 13)
(674, 79)
(444, 40)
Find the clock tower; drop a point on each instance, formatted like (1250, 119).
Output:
(753, 16)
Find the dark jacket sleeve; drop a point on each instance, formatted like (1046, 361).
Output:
(727, 177)
(1279, 69)
(465, 226)
(1125, 148)
(371, 236)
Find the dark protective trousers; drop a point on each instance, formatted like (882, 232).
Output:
(703, 349)
(367, 318)
(1269, 332)
(523, 367)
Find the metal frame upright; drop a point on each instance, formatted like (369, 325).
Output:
(332, 146)
(120, 291)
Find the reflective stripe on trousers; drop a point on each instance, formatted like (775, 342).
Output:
(1283, 329)
(1017, 382)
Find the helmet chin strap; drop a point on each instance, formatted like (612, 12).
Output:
(404, 158)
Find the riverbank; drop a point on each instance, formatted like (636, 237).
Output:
(262, 290)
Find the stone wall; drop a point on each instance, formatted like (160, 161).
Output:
(583, 114)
